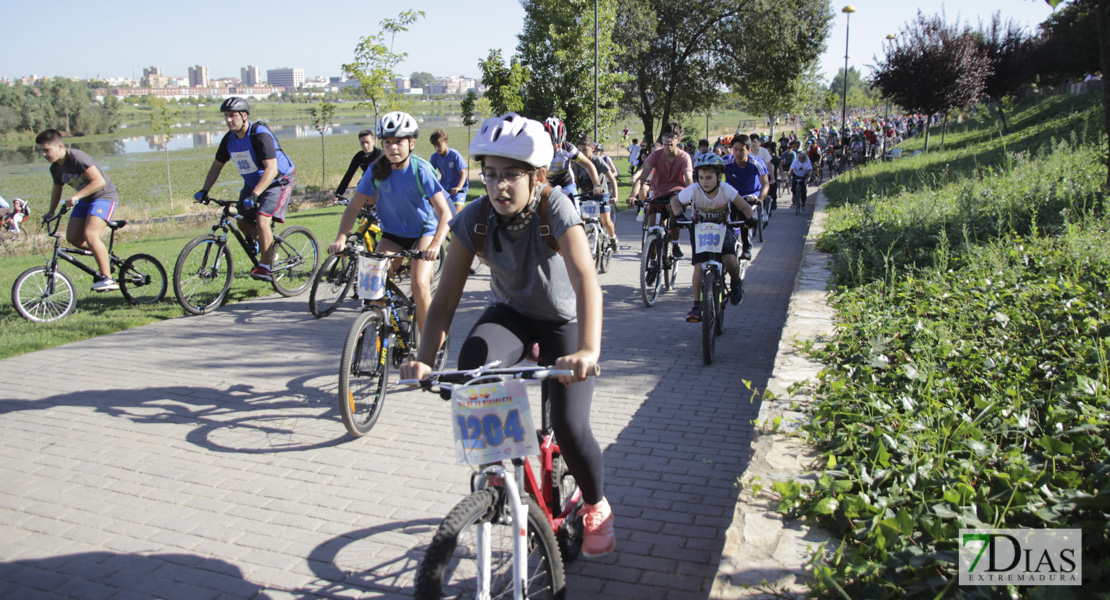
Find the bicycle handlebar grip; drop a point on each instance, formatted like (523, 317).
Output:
(594, 370)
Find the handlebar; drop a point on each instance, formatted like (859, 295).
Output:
(414, 254)
(682, 223)
(445, 379)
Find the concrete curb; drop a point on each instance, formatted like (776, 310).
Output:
(764, 554)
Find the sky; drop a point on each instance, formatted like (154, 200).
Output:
(118, 38)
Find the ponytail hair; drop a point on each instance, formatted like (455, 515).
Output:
(381, 168)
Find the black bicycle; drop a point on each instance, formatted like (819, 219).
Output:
(46, 293)
(204, 269)
(710, 237)
(336, 277)
(384, 335)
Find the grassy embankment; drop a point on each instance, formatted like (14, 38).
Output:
(967, 385)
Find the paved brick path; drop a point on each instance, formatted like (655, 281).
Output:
(204, 457)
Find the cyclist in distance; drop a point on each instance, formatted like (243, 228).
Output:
(412, 206)
(670, 170)
(559, 173)
(608, 185)
(361, 160)
(268, 176)
(711, 199)
(454, 174)
(748, 175)
(764, 155)
(535, 294)
(94, 200)
(800, 170)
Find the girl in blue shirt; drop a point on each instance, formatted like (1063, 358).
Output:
(412, 207)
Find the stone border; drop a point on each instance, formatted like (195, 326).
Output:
(761, 546)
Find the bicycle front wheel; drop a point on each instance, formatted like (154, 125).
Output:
(709, 299)
(605, 255)
(202, 275)
(363, 374)
(651, 270)
(142, 279)
(296, 256)
(37, 298)
(331, 285)
(450, 568)
(759, 219)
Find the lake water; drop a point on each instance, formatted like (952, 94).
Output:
(196, 139)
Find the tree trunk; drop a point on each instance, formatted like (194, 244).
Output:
(927, 121)
(1104, 61)
(169, 184)
(1002, 117)
(323, 159)
(649, 124)
(771, 126)
(943, 130)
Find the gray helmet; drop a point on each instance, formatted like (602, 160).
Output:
(235, 104)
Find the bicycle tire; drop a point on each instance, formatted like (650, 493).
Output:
(722, 303)
(606, 256)
(759, 219)
(670, 267)
(564, 498)
(650, 292)
(591, 240)
(142, 279)
(34, 300)
(333, 281)
(362, 391)
(708, 316)
(296, 256)
(449, 568)
(200, 279)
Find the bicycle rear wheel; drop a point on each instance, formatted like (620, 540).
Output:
(142, 279)
(759, 219)
(332, 283)
(202, 275)
(296, 256)
(670, 268)
(37, 298)
(651, 270)
(709, 301)
(363, 374)
(450, 565)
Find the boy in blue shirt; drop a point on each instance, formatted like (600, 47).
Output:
(454, 175)
(748, 175)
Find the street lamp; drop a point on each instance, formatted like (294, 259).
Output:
(890, 37)
(848, 10)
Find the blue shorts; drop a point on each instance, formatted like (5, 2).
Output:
(97, 208)
(571, 190)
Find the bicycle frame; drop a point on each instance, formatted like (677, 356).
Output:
(59, 252)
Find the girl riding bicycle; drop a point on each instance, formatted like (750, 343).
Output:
(520, 230)
(412, 206)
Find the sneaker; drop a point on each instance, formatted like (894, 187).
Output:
(746, 254)
(652, 272)
(104, 284)
(262, 274)
(677, 250)
(736, 294)
(694, 316)
(599, 538)
(616, 243)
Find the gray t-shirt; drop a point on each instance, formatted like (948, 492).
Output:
(71, 172)
(527, 275)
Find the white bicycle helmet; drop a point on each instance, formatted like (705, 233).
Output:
(397, 124)
(513, 136)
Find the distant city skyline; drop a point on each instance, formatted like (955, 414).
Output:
(321, 37)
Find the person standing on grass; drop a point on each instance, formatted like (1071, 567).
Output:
(361, 160)
(94, 200)
(454, 174)
(268, 176)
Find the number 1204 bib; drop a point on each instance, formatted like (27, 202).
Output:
(492, 422)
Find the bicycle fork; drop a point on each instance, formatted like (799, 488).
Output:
(519, 514)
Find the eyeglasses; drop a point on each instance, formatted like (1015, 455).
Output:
(492, 178)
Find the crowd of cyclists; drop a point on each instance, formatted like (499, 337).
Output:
(544, 293)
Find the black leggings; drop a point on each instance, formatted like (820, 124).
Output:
(503, 334)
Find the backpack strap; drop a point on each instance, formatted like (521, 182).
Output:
(545, 229)
(483, 218)
(480, 226)
(416, 162)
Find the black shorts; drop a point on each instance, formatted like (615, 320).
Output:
(406, 243)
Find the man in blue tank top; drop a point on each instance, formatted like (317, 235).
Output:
(267, 173)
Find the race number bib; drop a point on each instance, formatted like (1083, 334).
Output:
(709, 237)
(372, 273)
(243, 162)
(590, 210)
(492, 422)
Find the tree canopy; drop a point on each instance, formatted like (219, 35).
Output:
(375, 61)
(505, 82)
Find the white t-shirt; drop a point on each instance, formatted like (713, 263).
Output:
(633, 153)
(801, 168)
(713, 209)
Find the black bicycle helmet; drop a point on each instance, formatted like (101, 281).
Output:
(235, 104)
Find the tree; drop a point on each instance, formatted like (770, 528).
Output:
(467, 107)
(161, 119)
(421, 79)
(557, 46)
(321, 121)
(933, 67)
(1009, 49)
(860, 93)
(505, 83)
(785, 81)
(1068, 45)
(375, 62)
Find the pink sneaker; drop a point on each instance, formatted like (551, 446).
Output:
(599, 538)
(262, 274)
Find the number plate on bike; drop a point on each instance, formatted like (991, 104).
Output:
(492, 422)
(372, 273)
(709, 237)
(590, 210)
